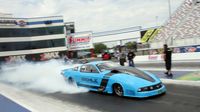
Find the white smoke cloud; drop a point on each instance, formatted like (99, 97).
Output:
(42, 76)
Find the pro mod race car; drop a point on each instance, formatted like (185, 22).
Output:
(109, 77)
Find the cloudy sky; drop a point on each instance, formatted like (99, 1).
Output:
(95, 15)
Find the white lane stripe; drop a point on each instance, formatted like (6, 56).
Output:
(181, 82)
(16, 101)
(41, 103)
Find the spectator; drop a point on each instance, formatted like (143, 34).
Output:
(167, 55)
(65, 58)
(131, 56)
(122, 58)
(116, 55)
(106, 56)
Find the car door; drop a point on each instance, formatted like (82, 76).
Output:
(90, 77)
(75, 74)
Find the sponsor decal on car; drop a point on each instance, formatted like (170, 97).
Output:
(90, 80)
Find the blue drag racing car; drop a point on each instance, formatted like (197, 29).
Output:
(109, 77)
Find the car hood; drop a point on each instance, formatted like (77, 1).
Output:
(134, 72)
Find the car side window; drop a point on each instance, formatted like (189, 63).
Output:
(83, 68)
(88, 69)
(75, 68)
(93, 69)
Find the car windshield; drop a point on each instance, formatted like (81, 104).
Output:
(107, 66)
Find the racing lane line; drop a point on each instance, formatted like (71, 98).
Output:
(181, 82)
(7, 105)
(40, 103)
(19, 102)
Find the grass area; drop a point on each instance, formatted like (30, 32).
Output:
(194, 76)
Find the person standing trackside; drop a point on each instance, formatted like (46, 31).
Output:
(168, 60)
(122, 58)
(131, 56)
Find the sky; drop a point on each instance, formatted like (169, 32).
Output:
(95, 15)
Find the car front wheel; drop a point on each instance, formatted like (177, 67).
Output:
(118, 90)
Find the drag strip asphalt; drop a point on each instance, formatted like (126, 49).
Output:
(177, 99)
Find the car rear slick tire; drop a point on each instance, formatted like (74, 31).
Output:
(118, 90)
(70, 81)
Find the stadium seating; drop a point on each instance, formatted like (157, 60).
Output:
(183, 24)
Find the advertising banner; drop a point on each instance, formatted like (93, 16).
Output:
(187, 49)
(79, 41)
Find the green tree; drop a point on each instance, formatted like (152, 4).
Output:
(98, 48)
(131, 45)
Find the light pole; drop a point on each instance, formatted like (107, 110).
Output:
(169, 5)
(156, 20)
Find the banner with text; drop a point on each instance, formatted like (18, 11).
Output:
(79, 41)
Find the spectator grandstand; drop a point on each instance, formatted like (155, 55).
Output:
(183, 27)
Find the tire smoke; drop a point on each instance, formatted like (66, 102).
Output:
(42, 76)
